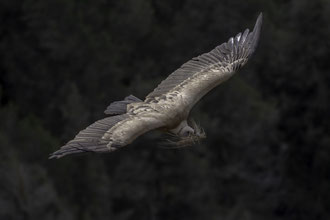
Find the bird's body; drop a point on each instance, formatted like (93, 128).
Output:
(168, 106)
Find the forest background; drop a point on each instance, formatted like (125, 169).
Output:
(267, 152)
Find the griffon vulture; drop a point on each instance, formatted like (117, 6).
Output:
(167, 107)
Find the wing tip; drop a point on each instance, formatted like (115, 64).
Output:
(258, 24)
(66, 150)
(260, 16)
(58, 154)
(255, 34)
(55, 155)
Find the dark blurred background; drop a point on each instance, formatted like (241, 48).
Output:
(267, 154)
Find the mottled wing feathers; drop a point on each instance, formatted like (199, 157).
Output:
(90, 139)
(120, 107)
(227, 57)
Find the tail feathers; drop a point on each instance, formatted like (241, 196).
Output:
(90, 139)
(120, 107)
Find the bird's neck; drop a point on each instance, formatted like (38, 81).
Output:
(178, 128)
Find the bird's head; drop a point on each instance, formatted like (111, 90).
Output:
(186, 131)
(188, 135)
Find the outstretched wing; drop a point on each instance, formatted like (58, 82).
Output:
(110, 133)
(199, 75)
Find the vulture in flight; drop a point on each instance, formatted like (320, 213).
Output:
(167, 107)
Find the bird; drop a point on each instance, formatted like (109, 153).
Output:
(168, 106)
